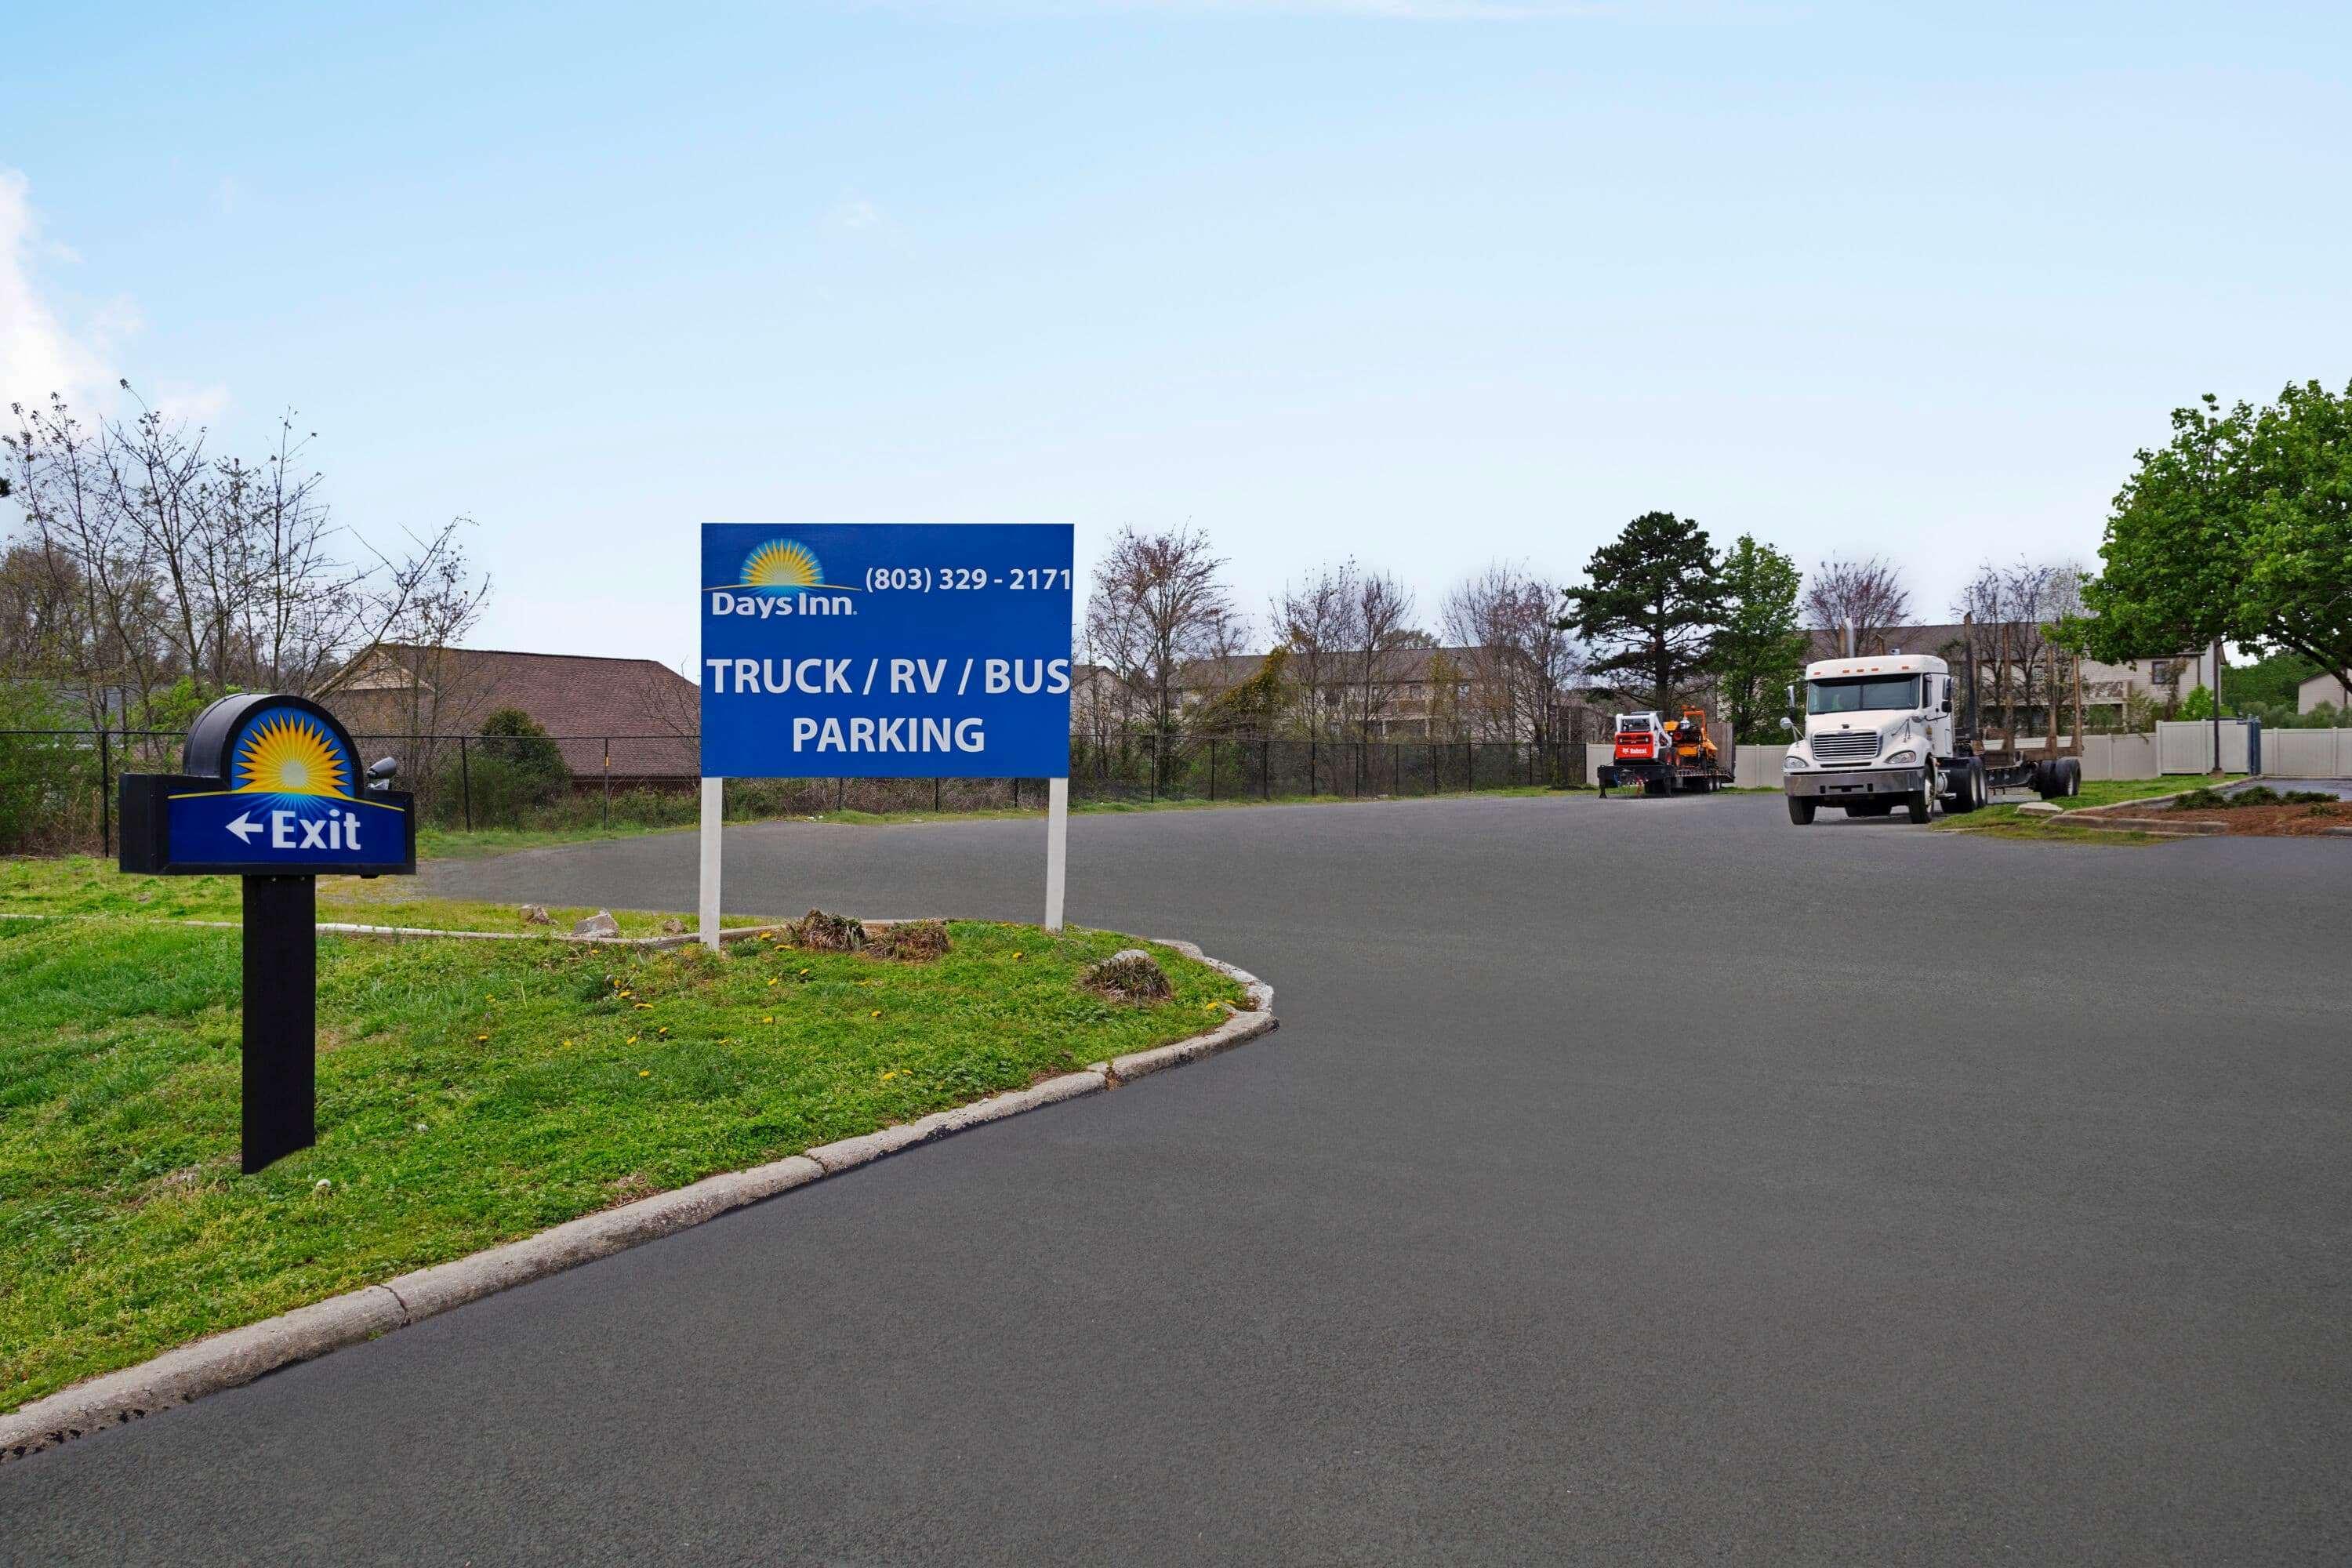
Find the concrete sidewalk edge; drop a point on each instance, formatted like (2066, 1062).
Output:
(237, 1356)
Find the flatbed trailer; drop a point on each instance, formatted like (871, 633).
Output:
(1661, 778)
(1657, 759)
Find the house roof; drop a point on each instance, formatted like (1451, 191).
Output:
(579, 698)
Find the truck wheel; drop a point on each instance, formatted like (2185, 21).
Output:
(2072, 769)
(1969, 794)
(1800, 810)
(2048, 781)
(1921, 803)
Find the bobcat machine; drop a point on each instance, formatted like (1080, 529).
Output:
(1660, 759)
(1878, 735)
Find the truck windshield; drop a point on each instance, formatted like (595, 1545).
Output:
(1862, 691)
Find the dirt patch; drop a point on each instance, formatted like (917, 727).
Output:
(2296, 815)
(2296, 819)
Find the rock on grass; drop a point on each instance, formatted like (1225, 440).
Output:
(1130, 975)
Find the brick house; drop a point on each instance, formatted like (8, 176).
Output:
(640, 714)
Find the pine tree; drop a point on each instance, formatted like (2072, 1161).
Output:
(1653, 608)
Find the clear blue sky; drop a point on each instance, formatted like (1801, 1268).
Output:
(1431, 284)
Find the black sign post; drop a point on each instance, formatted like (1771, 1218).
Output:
(273, 794)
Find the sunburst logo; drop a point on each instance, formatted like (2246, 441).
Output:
(782, 567)
(290, 753)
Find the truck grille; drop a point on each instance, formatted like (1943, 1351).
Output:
(1846, 745)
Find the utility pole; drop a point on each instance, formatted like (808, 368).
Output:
(2217, 706)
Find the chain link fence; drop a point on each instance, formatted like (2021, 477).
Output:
(58, 787)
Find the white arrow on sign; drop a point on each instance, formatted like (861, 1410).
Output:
(244, 826)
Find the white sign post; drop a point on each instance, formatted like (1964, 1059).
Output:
(714, 812)
(1058, 848)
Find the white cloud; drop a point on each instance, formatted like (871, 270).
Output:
(40, 351)
(856, 213)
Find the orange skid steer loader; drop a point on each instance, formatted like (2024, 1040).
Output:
(1660, 759)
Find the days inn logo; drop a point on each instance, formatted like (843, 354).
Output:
(782, 567)
(780, 577)
(286, 751)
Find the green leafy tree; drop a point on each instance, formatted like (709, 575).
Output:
(512, 770)
(2269, 683)
(1251, 709)
(1652, 608)
(2298, 583)
(1760, 648)
(2238, 529)
(521, 741)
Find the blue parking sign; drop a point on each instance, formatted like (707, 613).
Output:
(885, 650)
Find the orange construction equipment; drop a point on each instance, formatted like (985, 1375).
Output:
(1660, 759)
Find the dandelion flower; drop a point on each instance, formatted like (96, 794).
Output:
(633, 1039)
(644, 1072)
(878, 1012)
(480, 1037)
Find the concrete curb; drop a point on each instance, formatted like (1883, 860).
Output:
(238, 1356)
(340, 928)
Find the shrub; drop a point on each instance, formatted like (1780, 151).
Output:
(48, 784)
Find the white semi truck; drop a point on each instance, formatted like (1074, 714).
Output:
(1879, 733)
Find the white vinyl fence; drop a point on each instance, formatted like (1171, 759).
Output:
(2175, 748)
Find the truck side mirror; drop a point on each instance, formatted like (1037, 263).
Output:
(1789, 725)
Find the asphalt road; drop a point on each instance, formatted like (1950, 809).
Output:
(1638, 1181)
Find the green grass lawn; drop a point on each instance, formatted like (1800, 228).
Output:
(469, 1093)
(83, 885)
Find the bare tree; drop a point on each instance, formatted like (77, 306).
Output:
(1158, 605)
(1866, 596)
(157, 563)
(2008, 614)
(1518, 659)
(1385, 627)
(104, 638)
(1316, 621)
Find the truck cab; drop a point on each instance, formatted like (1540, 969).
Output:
(1876, 730)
